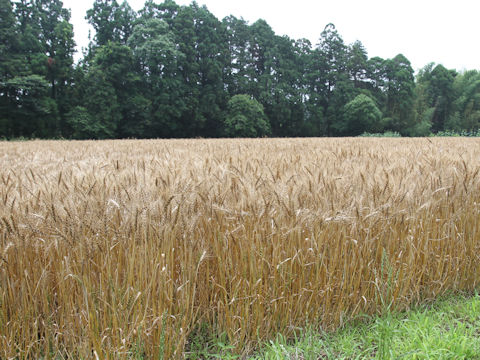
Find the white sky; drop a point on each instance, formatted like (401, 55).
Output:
(440, 31)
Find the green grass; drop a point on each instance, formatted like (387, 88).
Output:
(446, 329)
(449, 328)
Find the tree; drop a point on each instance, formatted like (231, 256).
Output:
(211, 57)
(10, 64)
(111, 21)
(435, 96)
(31, 50)
(154, 49)
(10, 61)
(423, 110)
(399, 89)
(201, 40)
(56, 37)
(442, 92)
(237, 75)
(120, 69)
(316, 95)
(467, 103)
(377, 79)
(337, 90)
(310, 119)
(170, 70)
(82, 124)
(361, 115)
(357, 63)
(38, 46)
(102, 105)
(32, 113)
(167, 11)
(245, 118)
(288, 91)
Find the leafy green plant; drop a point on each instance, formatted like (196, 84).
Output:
(245, 118)
(452, 133)
(385, 134)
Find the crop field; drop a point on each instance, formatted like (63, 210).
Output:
(138, 249)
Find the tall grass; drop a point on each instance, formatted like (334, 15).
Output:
(124, 249)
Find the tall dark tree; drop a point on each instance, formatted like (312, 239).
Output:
(357, 64)
(10, 60)
(167, 11)
(172, 71)
(377, 79)
(33, 52)
(32, 112)
(337, 90)
(399, 89)
(439, 94)
(155, 51)
(111, 21)
(316, 99)
(237, 73)
(201, 41)
(287, 114)
(467, 103)
(309, 122)
(40, 47)
(211, 56)
(119, 68)
(56, 36)
(100, 113)
(10, 63)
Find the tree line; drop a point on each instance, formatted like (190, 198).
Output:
(178, 71)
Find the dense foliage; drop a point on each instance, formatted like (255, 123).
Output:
(173, 71)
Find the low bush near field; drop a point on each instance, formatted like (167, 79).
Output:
(144, 248)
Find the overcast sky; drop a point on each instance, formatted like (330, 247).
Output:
(439, 31)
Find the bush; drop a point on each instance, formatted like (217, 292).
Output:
(245, 118)
(385, 134)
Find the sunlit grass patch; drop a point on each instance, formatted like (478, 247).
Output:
(446, 329)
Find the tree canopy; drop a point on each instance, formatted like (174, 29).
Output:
(245, 118)
(178, 71)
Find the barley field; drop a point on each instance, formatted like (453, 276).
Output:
(128, 249)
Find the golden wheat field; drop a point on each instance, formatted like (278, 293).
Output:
(112, 248)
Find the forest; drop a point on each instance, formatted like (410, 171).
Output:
(171, 71)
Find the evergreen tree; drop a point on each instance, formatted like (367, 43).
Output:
(10, 65)
(337, 89)
(31, 111)
(38, 47)
(177, 71)
(119, 68)
(211, 56)
(399, 89)
(100, 113)
(357, 64)
(56, 36)
(287, 114)
(438, 93)
(467, 104)
(237, 75)
(112, 22)
(155, 51)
